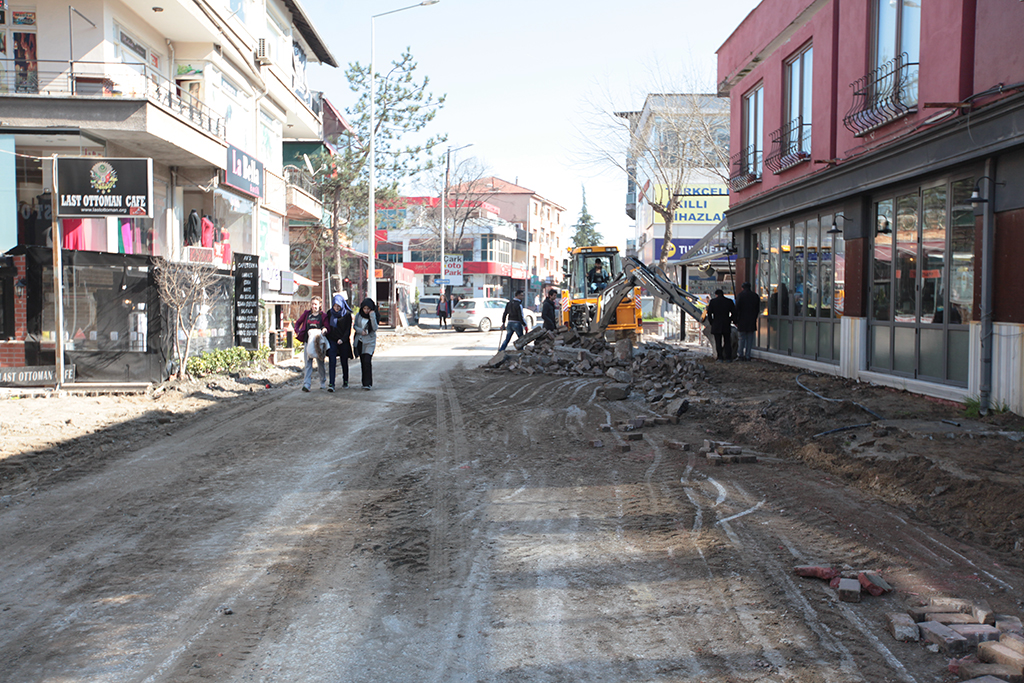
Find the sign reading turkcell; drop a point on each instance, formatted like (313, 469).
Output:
(244, 172)
(90, 187)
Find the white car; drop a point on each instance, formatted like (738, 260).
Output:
(483, 314)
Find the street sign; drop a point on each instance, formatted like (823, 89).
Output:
(452, 265)
(440, 281)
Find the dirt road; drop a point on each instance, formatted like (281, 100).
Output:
(457, 525)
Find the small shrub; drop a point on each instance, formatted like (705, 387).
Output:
(226, 360)
(972, 408)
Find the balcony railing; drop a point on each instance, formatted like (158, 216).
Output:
(791, 145)
(748, 168)
(105, 79)
(301, 179)
(884, 95)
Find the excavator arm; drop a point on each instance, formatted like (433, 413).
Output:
(635, 273)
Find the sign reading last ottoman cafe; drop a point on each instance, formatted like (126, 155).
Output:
(91, 187)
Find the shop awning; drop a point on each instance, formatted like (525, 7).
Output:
(302, 280)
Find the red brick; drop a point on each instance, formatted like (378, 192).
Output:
(951, 642)
(873, 583)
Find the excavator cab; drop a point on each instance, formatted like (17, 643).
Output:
(592, 269)
(592, 273)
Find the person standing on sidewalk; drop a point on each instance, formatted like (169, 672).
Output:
(516, 320)
(339, 334)
(748, 307)
(720, 314)
(444, 310)
(365, 326)
(311, 318)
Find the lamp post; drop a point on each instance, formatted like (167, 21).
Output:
(444, 202)
(371, 213)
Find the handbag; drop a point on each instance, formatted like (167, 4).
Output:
(358, 348)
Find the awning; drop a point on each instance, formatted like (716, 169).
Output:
(302, 280)
(713, 245)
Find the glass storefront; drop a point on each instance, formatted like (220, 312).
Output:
(799, 274)
(922, 288)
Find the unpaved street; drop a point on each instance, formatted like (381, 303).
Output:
(456, 524)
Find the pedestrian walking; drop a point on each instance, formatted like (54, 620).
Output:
(748, 307)
(444, 310)
(513, 313)
(365, 325)
(311, 319)
(339, 334)
(549, 311)
(720, 313)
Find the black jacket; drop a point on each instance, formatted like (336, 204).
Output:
(748, 306)
(513, 311)
(549, 313)
(721, 312)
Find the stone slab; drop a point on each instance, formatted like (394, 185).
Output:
(997, 653)
(976, 633)
(951, 642)
(982, 670)
(903, 628)
(849, 590)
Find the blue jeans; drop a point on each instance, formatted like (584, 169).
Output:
(746, 344)
(307, 376)
(513, 326)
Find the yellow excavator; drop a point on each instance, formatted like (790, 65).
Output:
(603, 293)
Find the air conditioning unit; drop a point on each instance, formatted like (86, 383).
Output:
(263, 52)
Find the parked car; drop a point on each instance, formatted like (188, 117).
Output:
(428, 306)
(483, 314)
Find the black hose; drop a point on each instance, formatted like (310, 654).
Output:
(835, 400)
(841, 429)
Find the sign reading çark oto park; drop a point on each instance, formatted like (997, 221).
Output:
(91, 187)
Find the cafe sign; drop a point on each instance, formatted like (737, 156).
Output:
(92, 187)
(244, 172)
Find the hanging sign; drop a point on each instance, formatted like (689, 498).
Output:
(244, 172)
(247, 300)
(91, 187)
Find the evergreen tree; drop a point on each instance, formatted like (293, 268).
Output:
(586, 228)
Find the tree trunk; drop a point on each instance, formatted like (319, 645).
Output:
(658, 306)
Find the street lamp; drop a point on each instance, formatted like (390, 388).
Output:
(371, 215)
(444, 201)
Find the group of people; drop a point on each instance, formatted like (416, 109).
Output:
(348, 336)
(513, 318)
(722, 313)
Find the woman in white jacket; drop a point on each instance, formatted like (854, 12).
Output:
(365, 325)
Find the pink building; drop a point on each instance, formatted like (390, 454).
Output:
(860, 130)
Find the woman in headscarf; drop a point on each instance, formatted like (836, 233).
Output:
(339, 333)
(365, 325)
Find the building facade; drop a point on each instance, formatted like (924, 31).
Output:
(876, 198)
(210, 92)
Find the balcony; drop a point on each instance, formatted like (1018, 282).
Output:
(884, 95)
(105, 79)
(748, 168)
(791, 146)
(303, 195)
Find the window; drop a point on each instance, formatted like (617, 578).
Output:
(898, 42)
(797, 138)
(753, 132)
(132, 51)
(495, 249)
(18, 39)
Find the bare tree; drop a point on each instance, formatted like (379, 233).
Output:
(675, 139)
(467, 192)
(184, 288)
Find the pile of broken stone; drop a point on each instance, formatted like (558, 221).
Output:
(665, 374)
(985, 646)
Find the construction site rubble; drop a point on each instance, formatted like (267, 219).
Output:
(669, 377)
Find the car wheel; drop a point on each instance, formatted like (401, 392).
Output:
(485, 325)
(460, 329)
(423, 312)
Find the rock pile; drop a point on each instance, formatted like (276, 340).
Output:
(665, 374)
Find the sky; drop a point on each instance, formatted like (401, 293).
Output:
(523, 77)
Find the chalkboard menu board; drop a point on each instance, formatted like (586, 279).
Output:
(247, 300)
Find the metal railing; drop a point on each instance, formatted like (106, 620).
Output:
(884, 95)
(301, 179)
(791, 145)
(48, 77)
(748, 165)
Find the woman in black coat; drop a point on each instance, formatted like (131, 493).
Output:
(339, 333)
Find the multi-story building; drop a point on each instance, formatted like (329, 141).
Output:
(209, 91)
(543, 222)
(876, 197)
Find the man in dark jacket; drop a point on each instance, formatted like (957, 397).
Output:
(516, 320)
(748, 306)
(720, 313)
(549, 311)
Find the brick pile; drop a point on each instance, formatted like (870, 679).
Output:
(667, 376)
